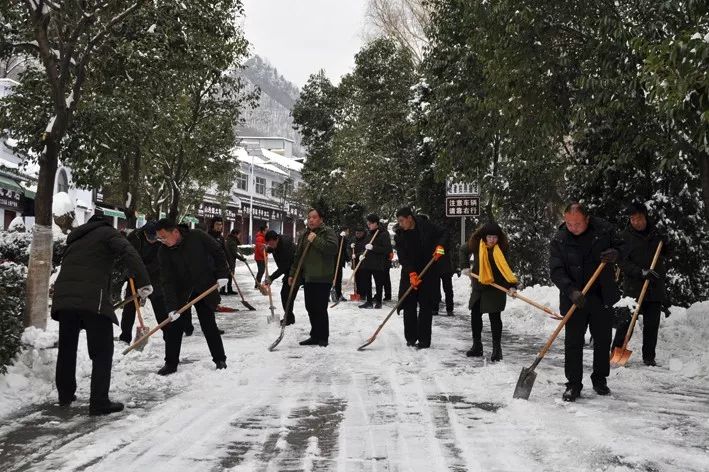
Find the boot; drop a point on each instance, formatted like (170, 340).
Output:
(496, 352)
(309, 342)
(476, 350)
(601, 387)
(110, 407)
(66, 402)
(221, 365)
(167, 369)
(571, 394)
(366, 305)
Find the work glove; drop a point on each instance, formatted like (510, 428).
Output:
(269, 249)
(174, 315)
(414, 280)
(268, 280)
(666, 311)
(352, 245)
(512, 292)
(438, 252)
(145, 291)
(368, 247)
(578, 298)
(609, 255)
(649, 274)
(343, 234)
(465, 272)
(242, 258)
(222, 282)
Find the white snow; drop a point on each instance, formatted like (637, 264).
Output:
(62, 204)
(386, 408)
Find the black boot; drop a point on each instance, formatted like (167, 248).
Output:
(107, 409)
(601, 387)
(496, 352)
(66, 402)
(366, 305)
(221, 365)
(167, 369)
(309, 342)
(476, 350)
(571, 394)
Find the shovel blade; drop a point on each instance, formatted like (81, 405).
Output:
(620, 357)
(369, 341)
(333, 295)
(354, 297)
(525, 384)
(248, 305)
(139, 333)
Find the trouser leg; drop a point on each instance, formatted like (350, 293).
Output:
(379, 276)
(127, 321)
(476, 321)
(601, 326)
(208, 323)
(496, 327)
(575, 331)
(99, 338)
(651, 326)
(447, 281)
(65, 378)
(316, 300)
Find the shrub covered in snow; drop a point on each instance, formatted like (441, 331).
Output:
(15, 247)
(12, 305)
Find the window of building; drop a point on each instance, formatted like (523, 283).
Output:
(261, 185)
(62, 182)
(242, 181)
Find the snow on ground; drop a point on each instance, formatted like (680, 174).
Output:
(388, 408)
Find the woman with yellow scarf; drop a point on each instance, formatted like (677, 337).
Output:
(488, 245)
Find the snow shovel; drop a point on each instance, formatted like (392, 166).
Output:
(528, 376)
(291, 295)
(398, 304)
(261, 288)
(120, 305)
(169, 319)
(140, 330)
(364, 254)
(248, 305)
(621, 355)
(333, 294)
(545, 309)
(273, 318)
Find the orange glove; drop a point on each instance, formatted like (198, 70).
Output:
(438, 252)
(414, 280)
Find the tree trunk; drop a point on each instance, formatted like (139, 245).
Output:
(704, 175)
(174, 210)
(40, 263)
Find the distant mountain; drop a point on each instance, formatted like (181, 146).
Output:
(273, 115)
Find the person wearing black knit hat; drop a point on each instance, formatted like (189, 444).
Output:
(375, 262)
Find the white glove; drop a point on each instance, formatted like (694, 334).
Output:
(512, 292)
(352, 245)
(343, 234)
(466, 272)
(144, 292)
(369, 247)
(174, 315)
(222, 282)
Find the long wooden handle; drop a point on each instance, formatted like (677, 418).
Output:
(643, 292)
(289, 303)
(268, 287)
(364, 254)
(120, 305)
(339, 256)
(545, 309)
(136, 302)
(571, 311)
(401, 299)
(168, 320)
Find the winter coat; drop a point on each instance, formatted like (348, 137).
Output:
(260, 243)
(445, 263)
(574, 259)
(84, 282)
(191, 267)
(219, 238)
(377, 258)
(641, 247)
(283, 256)
(149, 254)
(232, 249)
(415, 249)
(359, 248)
(319, 263)
(492, 300)
(344, 253)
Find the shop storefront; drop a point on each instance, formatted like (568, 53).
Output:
(11, 195)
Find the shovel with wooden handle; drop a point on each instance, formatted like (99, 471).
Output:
(243, 300)
(364, 254)
(140, 330)
(260, 286)
(169, 319)
(333, 292)
(620, 355)
(123, 303)
(528, 375)
(273, 318)
(398, 304)
(552, 314)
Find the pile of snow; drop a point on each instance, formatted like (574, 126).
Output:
(62, 204)
(17, 225)
(682, 341)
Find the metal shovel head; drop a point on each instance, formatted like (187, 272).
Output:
(248, 305)
(620, 356)
(525, 383)
(333, 295)
(369, 341)
(354, 297)
(278, 339)
(139, 333)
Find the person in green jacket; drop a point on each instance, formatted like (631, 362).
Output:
(317, 272)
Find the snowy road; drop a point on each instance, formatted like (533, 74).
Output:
(390, 408)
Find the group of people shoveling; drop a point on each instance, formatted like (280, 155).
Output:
(188, 268)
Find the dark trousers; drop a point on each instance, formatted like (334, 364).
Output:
(260, 270)
(361, 281)
(378, 276)
(285, 291)
(173, 332)
(447, 283)
(317, 296)
(476, 324)
(99, 338)
(229, 286)
(128, 316)
(387, 284)
(418, 314)
(598, 318)
(651, 326)
(338, 283)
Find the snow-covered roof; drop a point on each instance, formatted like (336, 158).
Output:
(243, 156)
(286, 162)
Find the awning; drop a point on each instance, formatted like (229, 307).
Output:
(190, 219)
(10, 184)
(112, 212)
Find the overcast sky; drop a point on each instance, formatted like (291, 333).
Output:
(299, 37)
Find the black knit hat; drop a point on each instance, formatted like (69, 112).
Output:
(373, 218)
(635, 208)
(491, 229)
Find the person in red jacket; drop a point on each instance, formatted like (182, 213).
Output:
(260, 242)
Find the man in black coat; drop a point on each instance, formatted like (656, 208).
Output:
(417, 241)
(283, 250)
(217, 232)
(343, 256)
(641, 238)
(190, 262)
(81, 301)
(579, 246)
(357, 249)
(145, 241)
(445, 269)
(375, 262)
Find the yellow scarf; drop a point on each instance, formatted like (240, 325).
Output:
(486, 277)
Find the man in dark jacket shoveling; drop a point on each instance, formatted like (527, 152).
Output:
(283, 250)
(191, 261)
(82, 301)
